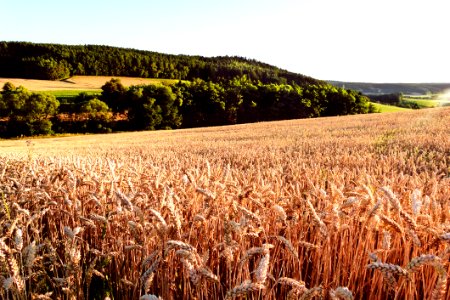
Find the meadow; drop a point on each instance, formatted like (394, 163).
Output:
(429, 100)
(353, 207)
(419, 102)
(429, 103)
(383, 108)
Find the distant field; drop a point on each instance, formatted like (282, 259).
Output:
(428, 103)
(388, 108)
(387, 88)
(79, 83)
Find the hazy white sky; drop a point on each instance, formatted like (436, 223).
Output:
(348, 40)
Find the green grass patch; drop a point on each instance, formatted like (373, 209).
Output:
(423, 103)
(160, 81)
(72, 93)
(388, 108)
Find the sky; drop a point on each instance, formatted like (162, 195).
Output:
(346, 40)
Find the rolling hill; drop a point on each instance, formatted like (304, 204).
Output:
(394, 88)
(54, 61)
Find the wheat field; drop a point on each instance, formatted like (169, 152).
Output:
(353, 207)
(81, 83)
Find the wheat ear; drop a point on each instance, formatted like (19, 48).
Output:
(244, 288)
(341, 293)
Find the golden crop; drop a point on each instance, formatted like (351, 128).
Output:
(352, 207)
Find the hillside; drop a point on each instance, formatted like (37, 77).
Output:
(394, 88)
(197, 91)
(53, 61)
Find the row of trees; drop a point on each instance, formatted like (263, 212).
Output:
(26, 113)
(185, 104)
(200, 103)
(391, 99)
(51, 61)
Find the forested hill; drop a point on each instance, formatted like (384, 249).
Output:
(54, 61)
(210, 92)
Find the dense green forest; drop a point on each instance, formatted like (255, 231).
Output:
(53, 61)
(209, 92)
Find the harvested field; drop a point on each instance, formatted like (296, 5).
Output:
(354, 207)
(82, 83)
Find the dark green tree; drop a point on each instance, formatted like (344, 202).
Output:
(95, 108)
(169, 104)
(204, 104)
(13, 100)
(40, 106)
(8, 87)
(51, 69)
(37, 111)
(248, 110)
(145, 113)
(97, 116)
(27, 113)
(153, 107)
(114, 95)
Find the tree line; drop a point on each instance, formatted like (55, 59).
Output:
(25, 113)
(53, 61)
(185, 104)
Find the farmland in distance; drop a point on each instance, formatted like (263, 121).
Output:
(79, 83)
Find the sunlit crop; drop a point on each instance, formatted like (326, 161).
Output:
(352, 207)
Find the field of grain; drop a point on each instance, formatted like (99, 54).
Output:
(80, 83)
(353, 207)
